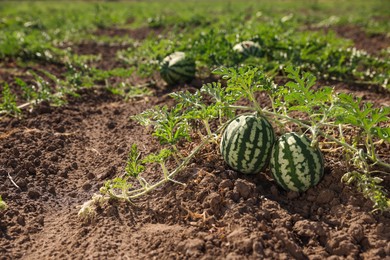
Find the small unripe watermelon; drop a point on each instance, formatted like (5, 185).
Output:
(177, 68)
(295, 164)
(248, 48)
(247, 142)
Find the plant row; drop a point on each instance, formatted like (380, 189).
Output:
(195, 121)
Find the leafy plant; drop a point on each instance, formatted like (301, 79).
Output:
(8, 102)
(322, 114)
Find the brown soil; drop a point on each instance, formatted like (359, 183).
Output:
(371, 43)
(137, 34)
(60, 156)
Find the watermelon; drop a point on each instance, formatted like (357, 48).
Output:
(247, 48)
(247, 142)
(177, 68)
(295, 164)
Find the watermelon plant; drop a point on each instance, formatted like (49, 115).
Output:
(210, 115)
(247, 143)
(295, 164)
(8, 102)
(177, 68)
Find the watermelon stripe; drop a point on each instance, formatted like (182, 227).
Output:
(256, 135)
(310, 158)
(183, 73)
(276, 167)
(292, 165)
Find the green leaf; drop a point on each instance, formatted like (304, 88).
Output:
(3, 205)
(134, 166)
(162, 156)
(382, 133)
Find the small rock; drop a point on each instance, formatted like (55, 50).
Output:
(72, 194)
(244, 188)
(258, 248)
(52, 190)
(74, 166)
(90, 175)
(40, 220)
(356, 231)
(291, 246)
(325, 196)
(32, 171)
(87, 186)
(247, 245)
(16, 152)
(21, 220)
(341, 244)
(236, 237)
(54, 158)
(111, 125)
(214, 201)
(195, 243)
(233, 256)
(309, 228)
(22, 183)
(60, 129)
(120, 150)
(33, 194)
(37, 162)
(274, 191)
(226, 184)
(193, 246)
(51, 148)
(292, 195)
(365, 218)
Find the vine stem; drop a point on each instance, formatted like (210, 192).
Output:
(133, 194)
(174, 172)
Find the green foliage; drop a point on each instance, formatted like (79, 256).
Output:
(8, 101)
(208, 33)
(134, 166)
(214, 103)
(161, 157)
(370, 188)
(169, 126)
(3, 205)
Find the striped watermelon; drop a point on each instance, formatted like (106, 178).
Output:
(295, 164)
(247, 142)
(177, 68)
(248, 48)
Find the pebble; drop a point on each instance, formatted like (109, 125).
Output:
(243, 188)
(33, 194)
(292, 195)
(226, 184)
(21, 220)
(214, 200)
(356, 231)
(325, 196)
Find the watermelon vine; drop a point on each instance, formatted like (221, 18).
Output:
(324, 115)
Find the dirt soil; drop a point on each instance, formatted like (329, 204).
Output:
(60, 156)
